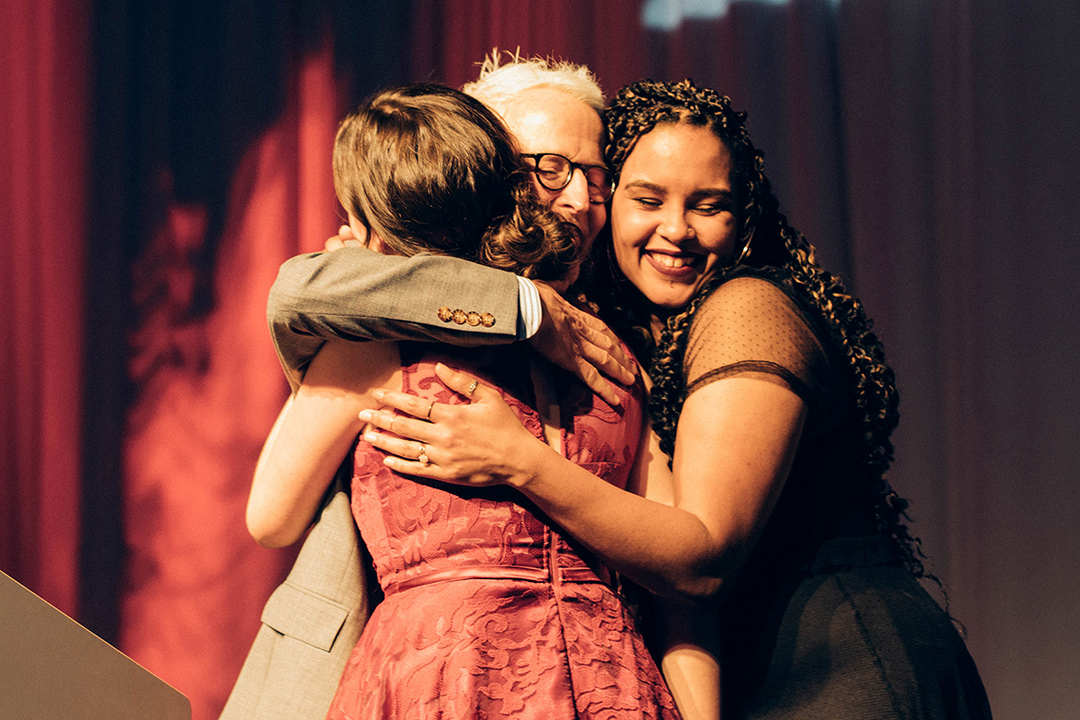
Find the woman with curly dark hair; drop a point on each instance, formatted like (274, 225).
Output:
(772, 405)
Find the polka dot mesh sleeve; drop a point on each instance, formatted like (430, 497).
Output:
(749, 326)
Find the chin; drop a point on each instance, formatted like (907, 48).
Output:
(669, 298)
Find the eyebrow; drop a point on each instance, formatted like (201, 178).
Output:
(701, 192)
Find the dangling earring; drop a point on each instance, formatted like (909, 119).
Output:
(744, 254)
(745, 251)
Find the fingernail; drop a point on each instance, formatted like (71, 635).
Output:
(379, 394)
(369, 437)
(365, 415)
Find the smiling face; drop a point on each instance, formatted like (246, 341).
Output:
(672, 214)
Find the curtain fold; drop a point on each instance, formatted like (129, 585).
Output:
(44, 128)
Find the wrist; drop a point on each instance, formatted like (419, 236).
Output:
(530, 458)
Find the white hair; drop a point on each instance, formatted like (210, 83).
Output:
(499, 84)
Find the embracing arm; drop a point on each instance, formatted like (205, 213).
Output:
(312, 436)
(359, 294)
(735, 444)
(736, 439)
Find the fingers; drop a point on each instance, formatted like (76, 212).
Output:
(407, 428)
(409, 404)
(405, 449)
(345, 238)
(597, 383)
(606, 362)
(603, 350)
(405, 455)
(462, 383)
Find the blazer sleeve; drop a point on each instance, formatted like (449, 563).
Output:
(358, 294)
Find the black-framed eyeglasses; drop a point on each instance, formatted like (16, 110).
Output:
(555, 172)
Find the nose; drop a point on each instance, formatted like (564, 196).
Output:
(574, 198)
(673, 226)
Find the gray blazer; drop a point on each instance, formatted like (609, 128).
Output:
(358, 294)
(310, 623)
(313, 620)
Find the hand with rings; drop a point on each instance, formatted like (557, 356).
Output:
(479, 442)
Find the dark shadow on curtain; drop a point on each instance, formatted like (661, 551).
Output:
(180, 90)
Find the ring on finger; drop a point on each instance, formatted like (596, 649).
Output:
(392, 419)
(427, 415)
(422, 457)
(472, 388)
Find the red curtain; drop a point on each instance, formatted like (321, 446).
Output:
(157, 172)
(43, 169)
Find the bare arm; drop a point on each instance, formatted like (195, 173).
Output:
(690, 658)
(689, 639)
(312, 435)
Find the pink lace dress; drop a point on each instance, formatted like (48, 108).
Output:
(490, 610)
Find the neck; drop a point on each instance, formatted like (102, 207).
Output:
(656, 325)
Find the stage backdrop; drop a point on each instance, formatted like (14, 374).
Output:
(160, 160)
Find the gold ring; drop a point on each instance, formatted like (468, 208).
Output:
(392, 419)
(427, 415)
(422, 457)
(472, 388)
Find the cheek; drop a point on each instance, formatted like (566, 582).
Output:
(723, 239)
(598, 216)
(547, 197)
(621, 238)
(626, 255)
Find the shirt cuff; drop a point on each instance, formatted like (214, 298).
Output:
(530, 311)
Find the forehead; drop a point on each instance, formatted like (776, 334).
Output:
(681, 155)
(548, 120)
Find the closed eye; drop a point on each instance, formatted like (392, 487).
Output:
(714, 203)
(713, 208)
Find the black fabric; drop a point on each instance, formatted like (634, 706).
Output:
(823, 622)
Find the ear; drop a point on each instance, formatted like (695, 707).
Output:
(359, 229)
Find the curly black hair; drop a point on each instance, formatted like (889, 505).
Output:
(764, 240)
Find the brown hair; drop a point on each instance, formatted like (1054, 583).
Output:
(431, 169)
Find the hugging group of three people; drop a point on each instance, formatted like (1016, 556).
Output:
(556, 531)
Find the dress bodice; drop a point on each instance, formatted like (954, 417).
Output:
(417, 530)
(490, 609)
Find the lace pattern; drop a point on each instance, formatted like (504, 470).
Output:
(490, 611)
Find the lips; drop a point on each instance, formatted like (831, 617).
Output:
(674, 265)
